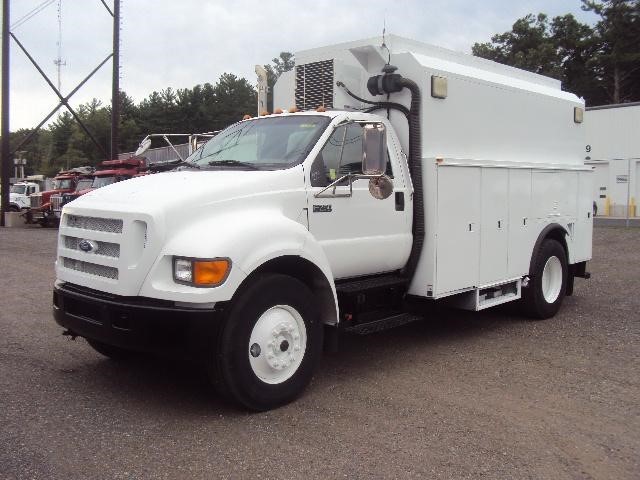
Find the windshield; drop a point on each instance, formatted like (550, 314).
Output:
(84, 184)
(63, 184)
(19, 189)
(103, 181)
(262, 143)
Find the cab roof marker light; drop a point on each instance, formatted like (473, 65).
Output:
(438, 86)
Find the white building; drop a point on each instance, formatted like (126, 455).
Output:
(613, 149)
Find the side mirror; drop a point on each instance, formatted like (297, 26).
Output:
(374, 149)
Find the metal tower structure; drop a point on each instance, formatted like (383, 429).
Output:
(7, 34)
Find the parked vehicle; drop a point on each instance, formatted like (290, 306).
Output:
(107, 173)
(83, 186)
(447, 179)
(40, 210)
(19, 195)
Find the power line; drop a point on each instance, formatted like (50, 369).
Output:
(28, 16)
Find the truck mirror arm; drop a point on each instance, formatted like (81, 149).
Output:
(351, 177)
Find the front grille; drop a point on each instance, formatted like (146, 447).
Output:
(90, 268)
(110, 225)
(104, 248)
(36, 201)
(314, 85)
(56, 202)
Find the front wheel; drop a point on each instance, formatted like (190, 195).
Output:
(548, 281)
(269, 344)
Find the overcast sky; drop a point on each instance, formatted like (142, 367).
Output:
(178, 44)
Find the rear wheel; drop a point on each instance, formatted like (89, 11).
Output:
(269, 344)
(548, 281)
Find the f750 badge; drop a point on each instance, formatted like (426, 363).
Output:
(321, 208)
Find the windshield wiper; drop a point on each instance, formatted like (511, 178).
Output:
(171, 164)
(233, 163)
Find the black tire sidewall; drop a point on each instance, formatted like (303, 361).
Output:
(536, 306)
(232, 355)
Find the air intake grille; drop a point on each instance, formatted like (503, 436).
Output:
(110, 225)
(107, 249)
(35, 200)
(56, 202)
(90, 268)
(314, 85)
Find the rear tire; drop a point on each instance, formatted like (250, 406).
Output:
(269, 344)
(548, 281)
(114, 353)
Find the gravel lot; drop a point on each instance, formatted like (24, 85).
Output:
(461, 395)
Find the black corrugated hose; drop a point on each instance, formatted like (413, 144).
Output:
(415, 168)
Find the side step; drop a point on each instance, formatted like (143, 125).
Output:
(371, 283)
(383, 324)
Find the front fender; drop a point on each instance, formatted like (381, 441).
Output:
(249, 238)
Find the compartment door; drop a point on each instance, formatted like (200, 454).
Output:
(458, 241)
(493, 228)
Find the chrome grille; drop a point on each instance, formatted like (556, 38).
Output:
(314, 85)
(107, 249)
(90, 268)
(56, 202)
(35, 200)
(110, 225)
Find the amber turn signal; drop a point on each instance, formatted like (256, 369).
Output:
(210, 273)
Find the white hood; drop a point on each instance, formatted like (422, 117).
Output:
(169, 191)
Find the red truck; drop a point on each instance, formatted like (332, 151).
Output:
(40, 210)
(107, 172)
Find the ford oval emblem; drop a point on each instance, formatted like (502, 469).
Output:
(88, 246)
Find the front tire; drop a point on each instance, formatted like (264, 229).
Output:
(269, 343)
(548, 281)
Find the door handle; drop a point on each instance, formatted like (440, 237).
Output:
(399, 201)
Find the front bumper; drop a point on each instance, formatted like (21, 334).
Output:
(134, 323)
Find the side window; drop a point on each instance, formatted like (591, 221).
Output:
(342, 154)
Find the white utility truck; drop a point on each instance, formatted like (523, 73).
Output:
(425, 175)
(19, 195)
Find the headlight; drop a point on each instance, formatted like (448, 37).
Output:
(201, 272)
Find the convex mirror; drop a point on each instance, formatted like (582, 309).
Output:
(374, 149)
(380, 187)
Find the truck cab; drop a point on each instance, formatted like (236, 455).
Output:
(40, 210)
(19, 195)
(403, 180)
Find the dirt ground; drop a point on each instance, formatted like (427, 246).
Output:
(460, 395)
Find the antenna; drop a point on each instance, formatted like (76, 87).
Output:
(384, 44)
(59, 62)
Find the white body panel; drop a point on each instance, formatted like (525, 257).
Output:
(489, 217)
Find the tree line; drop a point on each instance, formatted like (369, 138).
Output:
(599, 62)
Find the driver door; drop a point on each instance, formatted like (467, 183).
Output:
(360, 234)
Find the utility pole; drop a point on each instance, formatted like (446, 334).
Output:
(4, 114)
(115, 94)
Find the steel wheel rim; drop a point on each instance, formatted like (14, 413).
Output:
(277, 344)
(552, 279)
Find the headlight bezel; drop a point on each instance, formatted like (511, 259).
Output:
(196, 267)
